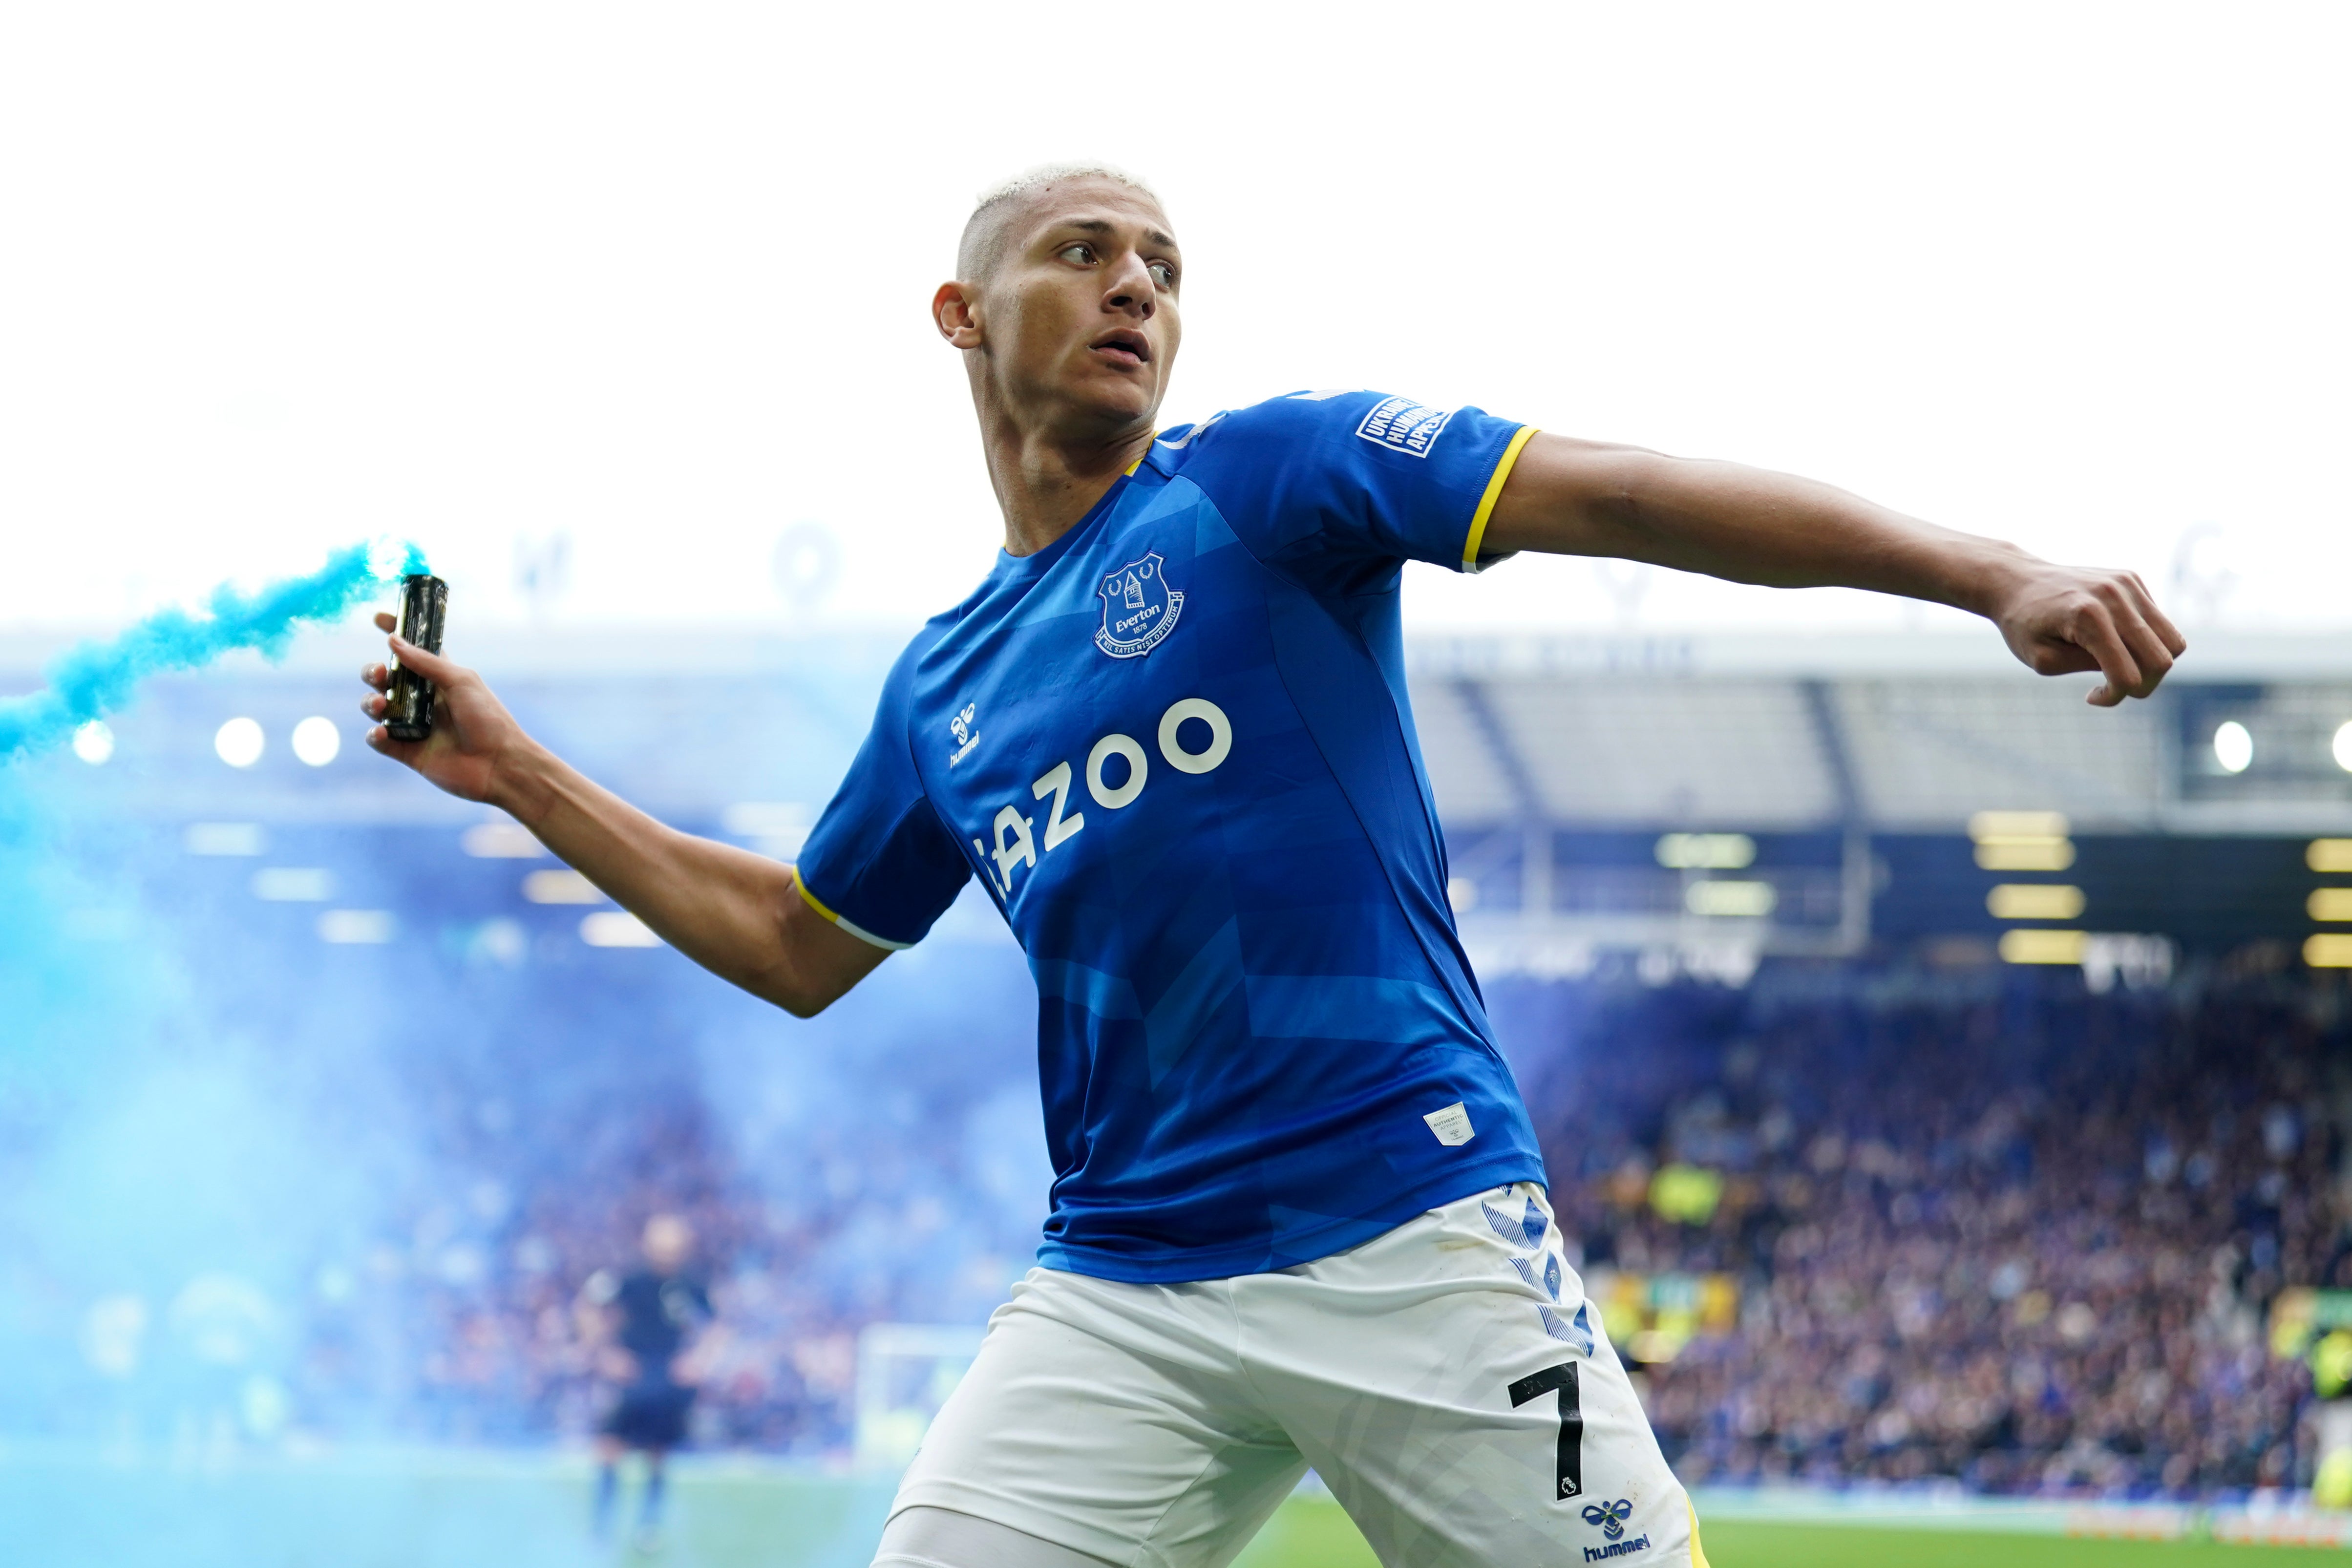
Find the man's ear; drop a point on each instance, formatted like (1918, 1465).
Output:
(955, 311)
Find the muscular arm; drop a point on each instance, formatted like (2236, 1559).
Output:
(736, 913)
(1584, 498)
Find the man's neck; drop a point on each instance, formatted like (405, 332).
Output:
(1045, 484)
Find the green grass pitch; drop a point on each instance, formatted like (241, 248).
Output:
(1315, 1534)
(465, 1509)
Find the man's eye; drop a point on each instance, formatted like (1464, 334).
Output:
(1164, 274)
(1084, 253)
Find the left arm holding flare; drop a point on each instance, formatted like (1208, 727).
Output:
(738, 914)
(1569, 496)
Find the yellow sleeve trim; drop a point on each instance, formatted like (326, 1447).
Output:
(811, 897)
(1486, 502)
(860, 933)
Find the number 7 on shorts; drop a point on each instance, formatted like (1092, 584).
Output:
(1570, 1477)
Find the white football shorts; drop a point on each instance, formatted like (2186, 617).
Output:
(1448, 1380)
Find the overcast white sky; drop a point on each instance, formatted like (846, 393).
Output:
(654, 279)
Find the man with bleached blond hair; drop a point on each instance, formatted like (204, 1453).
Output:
(1299, 1213)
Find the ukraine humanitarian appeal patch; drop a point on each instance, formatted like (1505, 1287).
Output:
(1138, 608)
(1403, 426)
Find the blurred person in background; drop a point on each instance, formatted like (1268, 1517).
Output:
(640, 1325)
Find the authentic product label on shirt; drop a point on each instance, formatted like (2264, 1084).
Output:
(1451, 1125)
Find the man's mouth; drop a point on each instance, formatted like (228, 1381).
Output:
(1123, 347)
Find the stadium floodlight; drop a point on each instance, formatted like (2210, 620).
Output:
(1706, 851)
(93, 742)
(2341, 747)
(501, 840)
(2329, 949)
(225, 839)
(2330, 904)
(2329, 854)
(561, 887)
(316, 741)
(2022, 840)
(361, 928)
(2030, 945)
(1735, 900)
(2034, 901)
(2026, 855)
(2233, 746)
(2017, 826)
(617, 928)
(239, 743)
(294, 884)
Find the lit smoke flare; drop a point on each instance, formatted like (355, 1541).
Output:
(91, 680)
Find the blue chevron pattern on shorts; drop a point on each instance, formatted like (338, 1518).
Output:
(1527, 1231)
(1577, 1331)
(1547, 1281)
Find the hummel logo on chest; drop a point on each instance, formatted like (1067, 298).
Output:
(966, 736)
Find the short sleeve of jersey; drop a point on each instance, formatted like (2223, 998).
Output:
(880, 863)
(1333, 484)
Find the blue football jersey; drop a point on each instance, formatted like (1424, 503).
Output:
(1176, 748)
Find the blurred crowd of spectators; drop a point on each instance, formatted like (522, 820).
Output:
(1991, 1227)
(481, 1322)
(2010, 1233)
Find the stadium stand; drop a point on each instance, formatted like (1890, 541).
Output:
(1993, 1228)
(1987, 1227)
(1871, 1190)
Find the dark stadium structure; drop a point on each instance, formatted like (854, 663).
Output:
(1943, 1080)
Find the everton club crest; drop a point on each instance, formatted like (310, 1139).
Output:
(1138, 608)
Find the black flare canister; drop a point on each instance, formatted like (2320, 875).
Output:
(408, 699)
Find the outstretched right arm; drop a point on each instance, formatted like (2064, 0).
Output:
(738, 914)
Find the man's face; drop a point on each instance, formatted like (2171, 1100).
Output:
(668, 1241)
(1078, 321)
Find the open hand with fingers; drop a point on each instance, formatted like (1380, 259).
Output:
(473, 733)
(2060, 619)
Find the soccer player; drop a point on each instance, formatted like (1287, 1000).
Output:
(642, 1322)
(1298, 1214)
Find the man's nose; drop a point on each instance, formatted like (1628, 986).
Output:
(1129, 289)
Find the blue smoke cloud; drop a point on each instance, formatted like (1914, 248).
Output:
(250, 1196)
(137, 1132)
(173, 1168)
(92, 679)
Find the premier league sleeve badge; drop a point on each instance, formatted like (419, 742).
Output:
(1138, 608)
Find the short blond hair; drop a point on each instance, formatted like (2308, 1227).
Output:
(983, 232)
